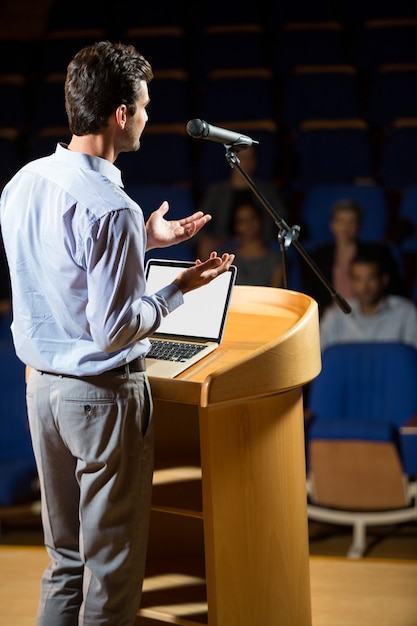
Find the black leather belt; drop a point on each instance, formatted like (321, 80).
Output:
(137, 365)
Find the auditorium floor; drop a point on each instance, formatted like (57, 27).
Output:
(367, 592)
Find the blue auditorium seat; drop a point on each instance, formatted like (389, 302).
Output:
(230, 47)
(392, 94)
(307, 43)
(381, 41)
(362, 456)
(320, 91)
(332, 151)
(398, 163)
(165, 157)
(17, 464)
(245, 94)
(211, 162)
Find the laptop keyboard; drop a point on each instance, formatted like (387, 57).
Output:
(173, 350)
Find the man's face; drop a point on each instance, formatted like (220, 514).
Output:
(136, 123)
(367, 283)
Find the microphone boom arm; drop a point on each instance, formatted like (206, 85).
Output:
(286, 235)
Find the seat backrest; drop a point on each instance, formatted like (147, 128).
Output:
(170, 86)
(10, 153)
(305, 11)
(332, 151)
(15, 443)
(318, 202)
(301, 43)
(166, 47)
(320, 91)
(165, 157)
(375, 382)
(355, 13)
(241, 95)
(398, 164)
(383, 41)
(229, 47)
(207, 14)
(13, 89)
(150, 197)
(181, 204)
(212, 165)
(393, 94)
(57, 51)
(49, 103)
(407, 211)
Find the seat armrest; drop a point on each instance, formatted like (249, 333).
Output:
(408, 446)
(410, 427)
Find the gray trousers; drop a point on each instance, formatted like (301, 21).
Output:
(93, 443)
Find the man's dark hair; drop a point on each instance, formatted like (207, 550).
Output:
(100, 78)
(371, 256)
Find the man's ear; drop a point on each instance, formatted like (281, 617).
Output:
(121, 115)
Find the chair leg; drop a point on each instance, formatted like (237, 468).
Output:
(359, 520)
(358, 545)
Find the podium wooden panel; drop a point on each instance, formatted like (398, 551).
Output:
(229, 540)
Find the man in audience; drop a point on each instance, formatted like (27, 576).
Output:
(334, 258)
(376, 315)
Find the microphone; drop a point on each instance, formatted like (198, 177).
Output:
(200, 129)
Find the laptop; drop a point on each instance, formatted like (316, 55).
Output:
(194, 329)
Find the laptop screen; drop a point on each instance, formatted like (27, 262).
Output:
(203, 314)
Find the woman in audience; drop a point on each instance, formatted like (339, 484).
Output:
(334, 258)
(258, 261)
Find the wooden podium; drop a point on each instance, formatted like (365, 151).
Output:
(228, 541)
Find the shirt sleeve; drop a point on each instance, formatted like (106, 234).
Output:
(119, 311)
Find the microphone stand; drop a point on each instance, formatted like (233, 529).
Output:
(287, 235)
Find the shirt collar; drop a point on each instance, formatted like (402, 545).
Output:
(86, 161)
(382, 306)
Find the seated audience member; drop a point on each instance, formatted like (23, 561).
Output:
(258, 262)
(334, 258)
(375, 315)
(223, 196)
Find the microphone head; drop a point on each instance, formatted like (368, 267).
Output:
(195, 128)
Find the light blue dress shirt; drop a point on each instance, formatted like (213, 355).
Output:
(75, 243)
